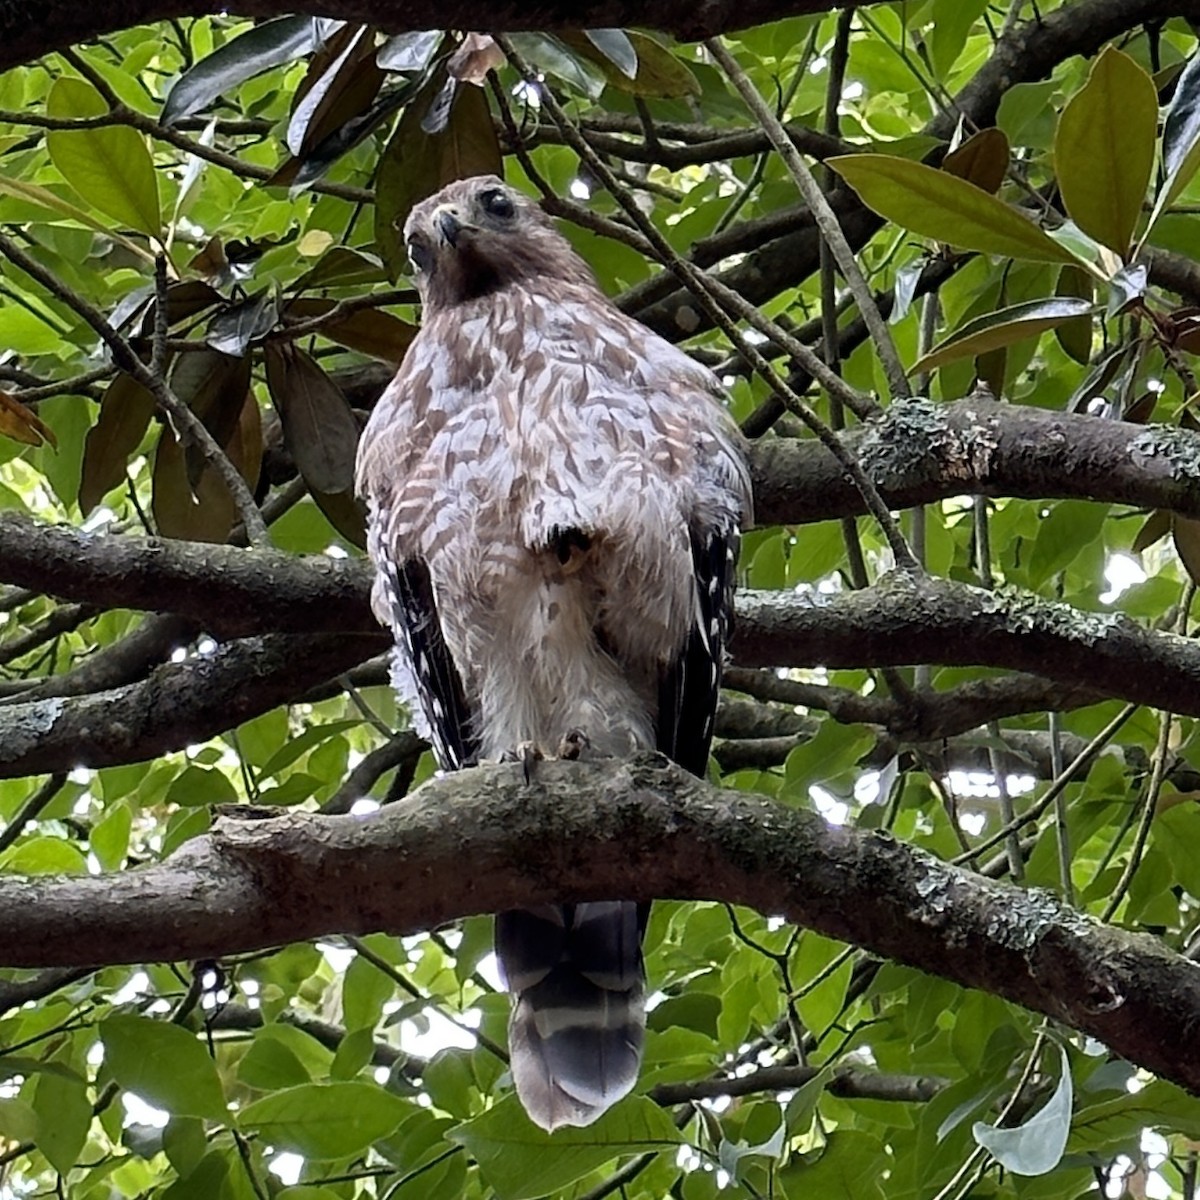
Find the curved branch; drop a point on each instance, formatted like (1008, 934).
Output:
(31, 28)
(177, 705)
(916, 453)
(919, 452)
(904, 622)
(640, 829)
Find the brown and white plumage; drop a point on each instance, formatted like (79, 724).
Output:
(555, 497)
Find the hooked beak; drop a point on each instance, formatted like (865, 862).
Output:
(448, 224)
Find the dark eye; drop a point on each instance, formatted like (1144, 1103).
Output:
(497, 204)
(420, 255)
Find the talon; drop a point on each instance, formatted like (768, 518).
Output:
(574, 745)
(526, 754)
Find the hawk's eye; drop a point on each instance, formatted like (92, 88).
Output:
(420, 255)
(497, 204)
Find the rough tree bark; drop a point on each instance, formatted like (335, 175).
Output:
(642, 829)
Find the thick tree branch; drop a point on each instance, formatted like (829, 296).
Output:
(29, 29)
(917, 452)
(639, 829)
(178, 704)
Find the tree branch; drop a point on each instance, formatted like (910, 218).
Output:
(29, 29)
(178, 704)
(640, 829)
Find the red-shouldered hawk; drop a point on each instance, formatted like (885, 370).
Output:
(555, 495)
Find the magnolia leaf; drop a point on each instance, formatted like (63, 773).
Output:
(367, 330)
(341, 266)
(579, 66)
(1125, 287)
(125, 411)
(259, 49)
(22, 424)
(1036, 1146)
(110, 166)
(1104, 149)
(617, 47)
(1002, 328)
(1075, 336)
(412, 51)
(1180, 139)
(659, 73)
(341, 91)
(936, 205)
(982, 159)
(1157, 525)
(319, 429)
(232, 331)
(1185, 533)
(1101, 375)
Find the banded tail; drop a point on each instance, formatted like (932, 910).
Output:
(578, 1018)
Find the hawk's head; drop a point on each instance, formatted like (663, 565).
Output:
(479, 235)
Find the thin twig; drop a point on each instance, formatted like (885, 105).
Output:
(1158, 770)
(716, 299)
(824, 216)
(1031, 814)
(31, 810)
(182, 418)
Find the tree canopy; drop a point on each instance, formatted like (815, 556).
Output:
(927, 929)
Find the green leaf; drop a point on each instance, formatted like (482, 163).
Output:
(1069, 527)
(658, 73)
(939, 206)
(110, 167)
(261, 48)
(1104, 149)
(33, 193)
(617, 47)
(65, 1116)
(270, 1064)
(1181, 138)
(326, 1120)
(184, 1143)
(1112, 1123)
(1004, 327)
(848, 1169)
(522, 1161)
(109, 838)
(365, 990)
(196, 786)
(18, 1121)
(204, 1183)
(166, 1065)
(1075, 337)
(1036, 1146)
(43, 856)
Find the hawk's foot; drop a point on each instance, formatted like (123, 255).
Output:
(526, 754)
(574, 745)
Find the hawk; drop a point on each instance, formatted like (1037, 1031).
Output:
(555, 497)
